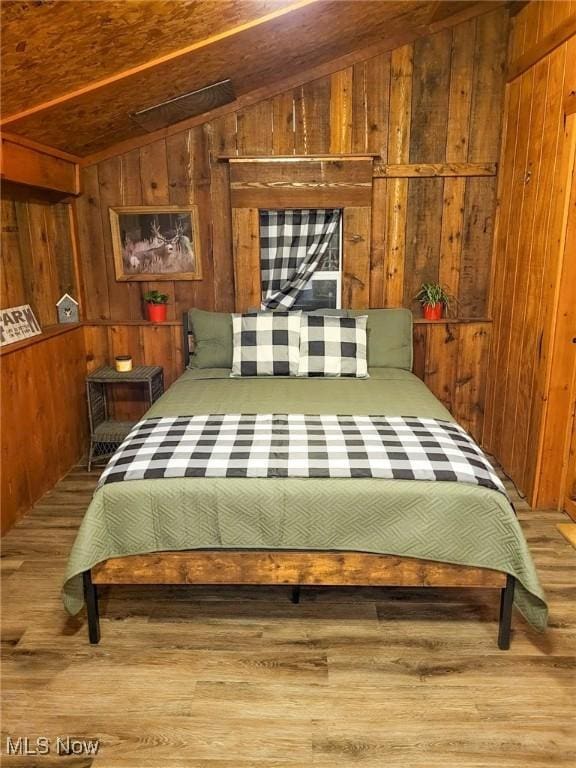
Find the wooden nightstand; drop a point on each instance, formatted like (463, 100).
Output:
(106, 434)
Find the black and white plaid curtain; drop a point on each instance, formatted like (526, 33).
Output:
(292, 244)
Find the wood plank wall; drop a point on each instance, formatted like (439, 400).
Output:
(42, 388)
(534, 185)
(436, 101)
(44, 424)
(37, 264)
(433, 102)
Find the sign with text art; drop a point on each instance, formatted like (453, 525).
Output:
(17, 323)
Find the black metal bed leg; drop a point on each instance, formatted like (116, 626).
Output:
(506, 601)
(295, 597)
(91, 598)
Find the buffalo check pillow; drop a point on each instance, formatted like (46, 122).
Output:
(266, 344)
(333, 346)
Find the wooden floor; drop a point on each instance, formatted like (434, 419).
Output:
(242, 678)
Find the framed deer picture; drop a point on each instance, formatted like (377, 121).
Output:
(156, 242)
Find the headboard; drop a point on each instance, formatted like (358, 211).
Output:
(187, 338)
(390, 342)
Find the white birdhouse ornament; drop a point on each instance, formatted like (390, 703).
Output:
(67, 309)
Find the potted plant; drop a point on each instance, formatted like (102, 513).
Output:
(156, 306)
(434, 299)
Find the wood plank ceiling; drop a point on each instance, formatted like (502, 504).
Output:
(71, 75)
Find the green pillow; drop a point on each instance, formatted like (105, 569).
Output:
(329, 312)
(389, 334)
(213, 339)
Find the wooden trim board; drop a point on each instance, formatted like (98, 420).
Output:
(294, 567)
(336, 157)
(24, 164)
(16, 139)
(379, 170)
(425, 170)
(277, 184)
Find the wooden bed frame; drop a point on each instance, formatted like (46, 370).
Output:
(296, 568)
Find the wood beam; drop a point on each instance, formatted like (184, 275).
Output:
(16, 139)
(235, 159)
(380, 170)
(424, 170)
(24, 163)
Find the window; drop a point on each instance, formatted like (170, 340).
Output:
(283, 242)
(324, 289)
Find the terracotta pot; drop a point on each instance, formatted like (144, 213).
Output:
(156, 312)
(433, 311)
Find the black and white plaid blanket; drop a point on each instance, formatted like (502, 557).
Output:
(299, 445)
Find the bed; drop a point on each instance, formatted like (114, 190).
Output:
(302, 531)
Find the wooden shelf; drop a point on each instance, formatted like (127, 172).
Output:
(337, 157)
(451, 320)
(131, 322)
(417, 321)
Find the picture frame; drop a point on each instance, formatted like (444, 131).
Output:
(155, 242)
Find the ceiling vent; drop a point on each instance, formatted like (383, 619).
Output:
(181, 107)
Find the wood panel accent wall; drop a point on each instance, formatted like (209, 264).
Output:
(431, 103)
(44, 423)
(451, 359)
(37, 255)
(42, 388)
(429, 111)
(172, 171)
(528, 380)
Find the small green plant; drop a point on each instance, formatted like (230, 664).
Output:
(431, 294)
(155, 297)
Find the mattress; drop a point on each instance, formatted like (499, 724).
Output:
(446, 521)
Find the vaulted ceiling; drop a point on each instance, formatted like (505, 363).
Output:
(73, 71)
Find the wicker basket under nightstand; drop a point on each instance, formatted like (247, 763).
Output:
(107, 434)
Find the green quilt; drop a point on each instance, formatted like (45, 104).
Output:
(445, 521)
